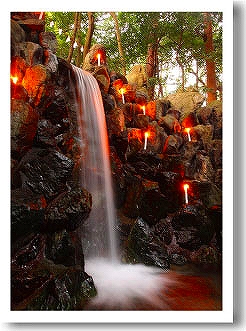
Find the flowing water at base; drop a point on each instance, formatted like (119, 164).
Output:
(140, 287)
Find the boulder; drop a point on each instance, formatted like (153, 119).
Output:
(24, 122)
(137, 76)
(186, 102)
(68, 211)
(34, 82)
(144, 247)
(48, 41)
(31, 52)
(192, 226)
(45, 171)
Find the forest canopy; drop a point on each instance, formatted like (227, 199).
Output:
(180, 50)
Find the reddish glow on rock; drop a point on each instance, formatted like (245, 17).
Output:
(14, 79)
(186, 187)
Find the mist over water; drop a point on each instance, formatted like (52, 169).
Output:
(127, 286)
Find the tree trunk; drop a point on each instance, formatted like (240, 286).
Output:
(89, 34)
(118, 37)
(182, 72)
(70, 53)
(210, 64)
(151, 66)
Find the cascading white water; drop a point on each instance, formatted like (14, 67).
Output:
(95, 168)
(117, 283)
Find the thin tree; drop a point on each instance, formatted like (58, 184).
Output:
(88, 38)
(118, 37)
(75, 28)
(210, 64)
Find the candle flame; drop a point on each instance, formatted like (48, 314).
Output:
(146, 134)
(122, 90)
(187, 130)
(186, 186)
(14, 79)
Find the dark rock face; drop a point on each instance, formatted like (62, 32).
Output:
(45, 171)
(68, 211)
(145, 248)
(192, 228)
(48, 206)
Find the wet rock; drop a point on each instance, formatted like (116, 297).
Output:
(68, 211)
(190, 162)
(217, 118)
(141, 121)
(164, 231)
(45, 134)
(206, 255)
(170, 184)
(109, 103)
(170, 124)
(27, 212)
(34, 82)
(141, 96)
(173, 144)
(121, 144)
(115, 121)
(50, 61)
(118, 176)
(56, 108)
(157, 137)
(24, 121)
(59, 248)
(215, 153)
(153, 206)
(162, 107)
(17, 34)
(204, 168)
(135, 140)
(151, 109)
(70, 291)
(204, 115)
(102, 77)
(178, 259)
(48, 41)
(188, 119)
(45, 171)
(203, 133)
(173, 163)
(144, 248)
(31, 52)
(192, 227)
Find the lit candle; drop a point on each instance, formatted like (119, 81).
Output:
(186, 186)
(144, 110)
(146, 134)
(122, 94)
(98, 59)
(14, 79)
(188, 133)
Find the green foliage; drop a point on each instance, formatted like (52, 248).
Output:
(179, 36)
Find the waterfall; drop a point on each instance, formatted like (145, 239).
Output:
(100, 236)
(119, 285)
